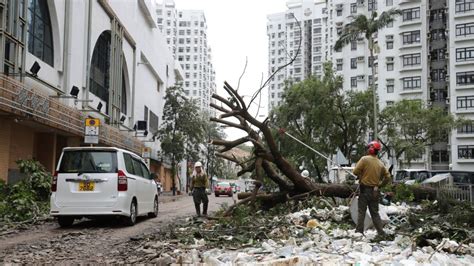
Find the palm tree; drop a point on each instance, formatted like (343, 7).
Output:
(367, 27)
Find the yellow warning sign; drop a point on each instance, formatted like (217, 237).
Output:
(92, 122)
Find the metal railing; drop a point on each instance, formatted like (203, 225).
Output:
(460, 192)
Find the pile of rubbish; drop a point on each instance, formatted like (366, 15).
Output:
(312, 232)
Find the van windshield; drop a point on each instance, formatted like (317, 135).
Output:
(88, 161)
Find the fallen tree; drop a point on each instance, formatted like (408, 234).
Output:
(268, 161)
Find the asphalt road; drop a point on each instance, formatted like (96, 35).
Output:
(91, 241)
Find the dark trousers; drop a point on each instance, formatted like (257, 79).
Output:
(199, 195)
(369, 198)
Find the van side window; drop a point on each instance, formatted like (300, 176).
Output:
(128, 163)
(138, 168)
(146, 173)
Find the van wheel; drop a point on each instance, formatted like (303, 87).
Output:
(132, 219)
(155, 209)
(65, 221)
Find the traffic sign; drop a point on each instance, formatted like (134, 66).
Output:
(92, 131)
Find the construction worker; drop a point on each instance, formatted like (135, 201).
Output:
(199, 183)
(372, 175)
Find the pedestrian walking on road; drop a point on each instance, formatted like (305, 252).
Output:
(199, 184)
(372, 175)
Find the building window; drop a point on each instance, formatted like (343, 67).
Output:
(372, 5)
(411, 83)
(40, 40)
(389, 3)
(466, 152)
(411, 59)
(465, 54)
(390, 45)
(464, 5)
(411, 37)
(339, 12)
(390, 85)
(353, 8)
(438, 75)
(465, 29)
(438, 35)
(99, 73)
(465, 78)
(353, 63)
(411, 14)
(353, 82)
(371, 61)
(339, 64)
(390, 103)
(390, 66)
(353, 45)
(438, 54)
(466, 128)
(465, 102)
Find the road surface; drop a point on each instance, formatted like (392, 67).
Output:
(91, 241)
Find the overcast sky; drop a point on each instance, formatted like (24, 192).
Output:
(236, 30)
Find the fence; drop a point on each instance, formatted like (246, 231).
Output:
(461, 192)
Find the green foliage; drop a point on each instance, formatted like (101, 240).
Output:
(322, 115)
(408, 127)
(29, 198)
(182, 129)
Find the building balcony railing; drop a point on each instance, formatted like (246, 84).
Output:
(18, 99)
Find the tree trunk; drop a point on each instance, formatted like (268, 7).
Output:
(374, 89)
(173, 177)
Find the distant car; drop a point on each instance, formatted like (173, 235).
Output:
(223, 188)
(235, 187)
(102, 181)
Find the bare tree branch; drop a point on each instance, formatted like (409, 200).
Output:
(230, 124)
(243, 72)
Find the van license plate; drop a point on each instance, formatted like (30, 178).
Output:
(86, 186)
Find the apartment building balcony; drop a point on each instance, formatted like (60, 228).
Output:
(439, 85)
(437, 44)
(437, 24)
(438, 4)
(439, 104)
(438, 64)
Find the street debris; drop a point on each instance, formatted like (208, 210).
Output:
(313, 231)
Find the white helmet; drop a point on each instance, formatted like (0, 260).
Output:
(197, 164)
(305, 173)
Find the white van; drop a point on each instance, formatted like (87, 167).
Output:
(97, 181)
